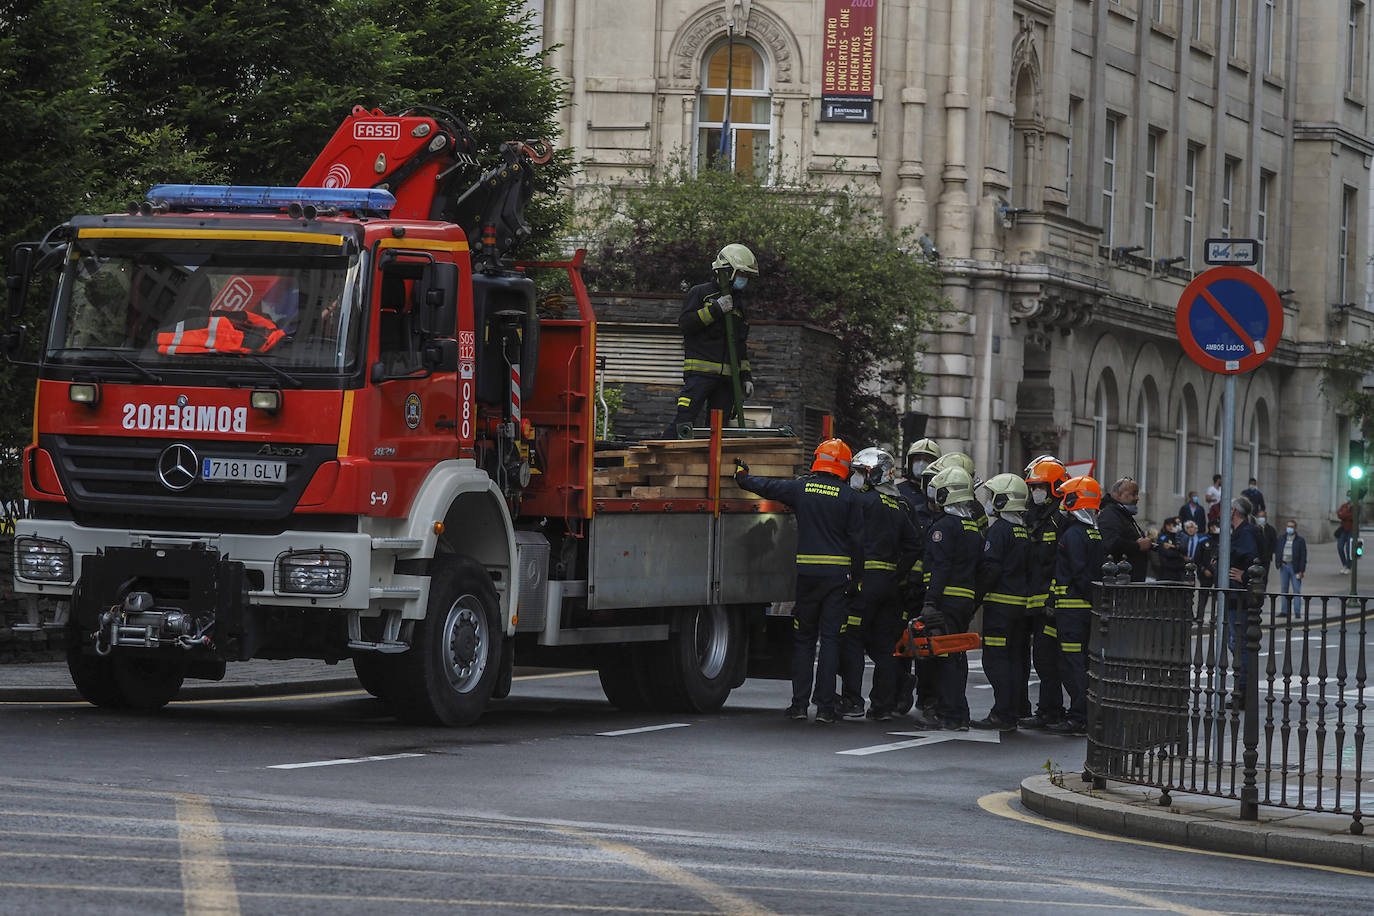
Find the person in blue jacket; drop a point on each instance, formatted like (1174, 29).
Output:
(1290, 558)
(830, 562)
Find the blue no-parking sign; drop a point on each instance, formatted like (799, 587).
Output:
(1229, 320)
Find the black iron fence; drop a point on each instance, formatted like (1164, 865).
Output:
(1239, 695)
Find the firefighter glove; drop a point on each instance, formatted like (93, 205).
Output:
(932, 620)
(748, 389)
(726, 303)
(741, 467)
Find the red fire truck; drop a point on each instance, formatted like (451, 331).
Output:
(335, 421)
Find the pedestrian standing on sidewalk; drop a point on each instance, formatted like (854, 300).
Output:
(1345, 533)
(1268, 542)
(1291, 559)
(1121, 535)
(1193, 510)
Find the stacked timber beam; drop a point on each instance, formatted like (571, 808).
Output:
(681, 468)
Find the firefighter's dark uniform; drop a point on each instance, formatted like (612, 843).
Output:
(875, 622)
(1043, 527)
(915, 681)
(706, 355)
(829, 556)
(1078, 564)
(1002, 578)
(953, 549)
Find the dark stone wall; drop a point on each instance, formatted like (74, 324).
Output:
(795, 368)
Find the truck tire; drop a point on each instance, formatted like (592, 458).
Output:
(373, 670)
(93, 676)
(625, 680)
(454, 660)
(699, 663)
(147, 683)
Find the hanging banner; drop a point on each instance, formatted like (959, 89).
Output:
(849, 60)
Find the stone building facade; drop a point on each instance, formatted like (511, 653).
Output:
(1067, 158)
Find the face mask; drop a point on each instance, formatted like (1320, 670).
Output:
(930, 493)
(1194, 499)
(989, 509)
(918, 468)
(1291, 530)
(1039, 496)
(1131, 508)
(1259, 520)
(740, 282)
(856, 481)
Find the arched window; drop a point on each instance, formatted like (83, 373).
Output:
(744, 140)
(1187, 421)
(1142, 440)
(1104, 415)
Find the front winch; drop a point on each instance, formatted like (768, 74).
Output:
(137, 622)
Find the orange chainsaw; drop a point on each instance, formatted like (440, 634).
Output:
(915, 642)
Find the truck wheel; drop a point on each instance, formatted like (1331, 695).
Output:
(93, 676)
(701, 659)
(373, 673)
(448, 675)
(624, 679)
(148, 683)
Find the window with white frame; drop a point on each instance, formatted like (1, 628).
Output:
(1189, 201)
(1254, 448)
(1181, 451)
(1157, 10)
(1237, 30)
(1109, 178)
(1267, 34)
(1142, 439)
(1152, 142)
(1100, 417)
(743, 140)
(1266, 188)
(1354, 54)
(1228, 193)
(1200, 20)
(1344, 238)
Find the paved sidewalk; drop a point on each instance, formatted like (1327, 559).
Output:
(48, 682)
(1199, 821)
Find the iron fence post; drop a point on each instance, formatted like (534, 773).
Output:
(1254, 602)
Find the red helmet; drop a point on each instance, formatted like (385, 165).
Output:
(1052, 472)
(832, 457)
(1081, 493)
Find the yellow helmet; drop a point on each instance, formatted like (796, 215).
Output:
(736, 259)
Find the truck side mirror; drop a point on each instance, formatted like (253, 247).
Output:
(441, 354)
(17, 282)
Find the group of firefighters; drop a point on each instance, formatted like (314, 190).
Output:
(881, 558)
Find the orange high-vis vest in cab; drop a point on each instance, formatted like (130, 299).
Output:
(221, 332)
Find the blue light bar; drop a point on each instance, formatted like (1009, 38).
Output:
(260, 197)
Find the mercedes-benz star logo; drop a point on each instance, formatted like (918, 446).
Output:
(176, 466)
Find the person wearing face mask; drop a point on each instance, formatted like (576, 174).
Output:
(1268, 541)
(1290, 557)
(1077, 565)
(874, 623)
(1002, 581)
(1044, 477)
(1121, 534)
(706, 370)
(915, 681)
(1192, 511)
(1172, 562)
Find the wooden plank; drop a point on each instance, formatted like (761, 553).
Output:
(690, 481)
(668, 493)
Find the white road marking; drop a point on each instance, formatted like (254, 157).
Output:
(921, 739)
(339, 762)
(647, 728)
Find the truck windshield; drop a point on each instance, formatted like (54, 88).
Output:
(261, 304)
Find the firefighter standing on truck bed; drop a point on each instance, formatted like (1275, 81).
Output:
(1044, 477)
(952, 552)
(706, 378)
(875, 617)
(1078, 564)
(829, 569)
(1003, 584)
(913, 489)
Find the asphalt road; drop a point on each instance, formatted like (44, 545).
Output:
(556, 802)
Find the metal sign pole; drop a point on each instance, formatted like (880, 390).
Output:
(1224, 466)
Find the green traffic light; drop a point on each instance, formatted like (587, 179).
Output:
(1356, 472)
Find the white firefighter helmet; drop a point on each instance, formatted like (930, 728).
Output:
(878, 466)
(928, 447)
(734, 260)
(1009, 493)
(949, 486)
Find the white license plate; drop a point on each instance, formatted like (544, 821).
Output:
(243, 470)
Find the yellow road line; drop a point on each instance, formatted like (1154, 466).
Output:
(725, 902)
(207, 881)
(997, 803)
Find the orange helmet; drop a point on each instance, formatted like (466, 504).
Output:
(832, 457)
(1081, 493)
(1049, 471)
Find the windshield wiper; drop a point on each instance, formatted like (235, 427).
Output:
(280, 373)
(148, 374)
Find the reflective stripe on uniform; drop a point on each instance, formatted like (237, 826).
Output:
(704, 313)
(817, 559)
(1070, 647)
(1016, 600)
(705, 366)
(995, 641)
(954, 591)
(1037, 601)
(969, 524)
(684, 402)
(880, 564)
(1050, 631)
(1072, 604)
(855, 621)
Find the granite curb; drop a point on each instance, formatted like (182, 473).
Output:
(193, 690)
(1212, 824)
